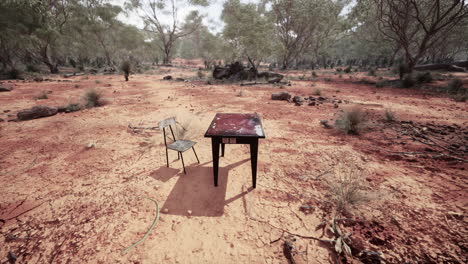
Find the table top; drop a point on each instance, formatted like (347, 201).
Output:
(236, 125)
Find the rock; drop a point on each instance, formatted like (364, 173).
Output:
(311, 98)
(321, 98)
(93, 71)
(37, 112)
(6, 111)
(5, 88)
(180, 79)
(2, 120)
(312, 103)
(167, 78)
(325, 124)
(298, 99)
(298, 103)
(189, 212)
(335, 105)
(281, 96)
(165, 210)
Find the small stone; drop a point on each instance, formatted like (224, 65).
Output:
(165, 210)
(335, 105)
(189, 212)
(312, 103)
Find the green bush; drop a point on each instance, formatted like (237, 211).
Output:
(424, 77)
(408, 81)
(32, 68)
(351, 121)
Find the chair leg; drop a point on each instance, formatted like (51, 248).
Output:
(196, 155)
(178, 155)
(167, 158)
(222, 149)
(183, 165)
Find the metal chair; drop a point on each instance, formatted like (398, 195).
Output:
(178, 145)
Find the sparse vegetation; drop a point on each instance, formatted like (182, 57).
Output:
(347, 188)
(200, 74)
(97, 81)
(93, 98)
(423, 77)
(408, 81)
(126, 67)
(317, 91)
(351, 121)
(371, 72)
(42, 95)
(348, 69)
(389, 115)
(241, 93)
(455, 86)
(32, 68)
(314, 74)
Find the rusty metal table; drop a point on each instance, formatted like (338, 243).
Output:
(234, 128)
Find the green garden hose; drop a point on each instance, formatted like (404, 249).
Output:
(147, 232)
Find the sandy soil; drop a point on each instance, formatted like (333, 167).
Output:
(64, 203)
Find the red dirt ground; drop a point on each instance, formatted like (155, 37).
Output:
(64, 203)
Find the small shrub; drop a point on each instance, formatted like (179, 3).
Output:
(339, 69)
(314, 74)
(347, 188)
(371, 72)
(32, 68)
(348, 69)
(340, 76)
(408, 81)
(93, 98)
(351, 121)
(76, 86)
(460, 97)
(200, 74)
(389, 115)
(380, 84)
(126, 68)
(317, 92)
(14, 74)
(455, 86)
(424, 77)
(97, 81)
(42, 95)
(302, 77)
(241, 93)
(328, 79)
(73, 107)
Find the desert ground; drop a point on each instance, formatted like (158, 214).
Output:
(74, 185)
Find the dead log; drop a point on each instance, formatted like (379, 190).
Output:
(442, 66)
(36, 112)
(237, 72)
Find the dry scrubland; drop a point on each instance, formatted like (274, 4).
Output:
(74, 185)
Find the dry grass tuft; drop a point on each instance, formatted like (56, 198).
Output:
(94, 98)
(347, 188)
(351, 121)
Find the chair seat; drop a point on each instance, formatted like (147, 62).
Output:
(181, 145)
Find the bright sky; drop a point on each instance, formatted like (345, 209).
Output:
(212, 15)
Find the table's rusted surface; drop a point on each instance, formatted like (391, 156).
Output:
(231, 128)
(236, 125)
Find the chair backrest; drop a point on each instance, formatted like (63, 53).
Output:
(167, 123)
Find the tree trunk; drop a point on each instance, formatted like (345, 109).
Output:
(53, 67)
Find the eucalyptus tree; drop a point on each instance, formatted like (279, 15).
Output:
(300, 24)
(419, 25)
(248, 31)
(161, 18)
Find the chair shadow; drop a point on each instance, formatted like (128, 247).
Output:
(196, 192)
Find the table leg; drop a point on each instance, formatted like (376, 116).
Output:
(215, 151)
(253, 160)
(222, 149)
